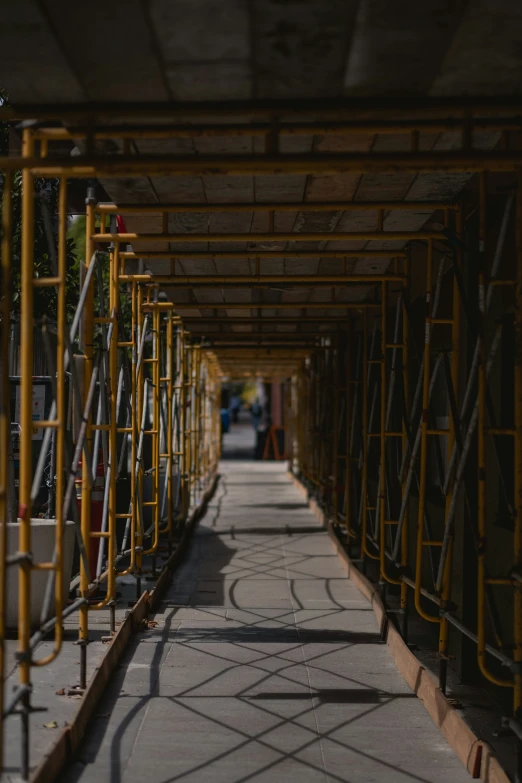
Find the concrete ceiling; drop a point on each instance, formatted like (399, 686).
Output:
(172, 50)
(57, 52)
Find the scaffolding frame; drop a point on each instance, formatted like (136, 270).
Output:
(405, 435)
(197, 370)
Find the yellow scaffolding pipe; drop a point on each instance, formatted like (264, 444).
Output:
(424, 440)
(5, 420)
(117, 166)
(283, 236)
(285, 128)
(364, 445)
(276, 206)
(455, 377)
(26, 446)
(481, 450)
(245, 255)
(381, 501)
(517, 539)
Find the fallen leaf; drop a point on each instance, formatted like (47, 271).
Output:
(51, 725)
(61, 692)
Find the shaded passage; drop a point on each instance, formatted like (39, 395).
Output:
(265, 664)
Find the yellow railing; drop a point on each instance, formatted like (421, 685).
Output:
(405, 420)
(365, 402)
(147, 395)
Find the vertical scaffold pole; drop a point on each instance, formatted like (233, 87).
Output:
(170, 424)
(5, 419)
(60, 408)
(26, 446)
(423, 468)
(517, 543)
(364, 447)
(88, 348)
(381, 499)
(113, 432)
(404, 442)
(135, 422)
(140, 402)
(187, 401)
(481, 446)
(197, 422)
(335, 349)
(26, 428)
(154, 503)
(455, 370)
(348, 434)
(58, 370)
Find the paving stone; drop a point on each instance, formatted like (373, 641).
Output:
(266, 664)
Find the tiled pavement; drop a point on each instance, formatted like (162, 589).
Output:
(265, 664)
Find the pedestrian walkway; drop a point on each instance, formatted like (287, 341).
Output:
(265, 664)
(240, 442)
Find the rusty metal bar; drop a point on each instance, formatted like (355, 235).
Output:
(150, 255)
(257, 165)
(276, 206)
(283, 236)
(284, 128)
(382, 106)
(201, 281)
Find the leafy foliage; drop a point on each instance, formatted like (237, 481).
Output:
(45, 299)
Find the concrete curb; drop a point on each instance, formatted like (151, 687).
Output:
(477, 756)
(67, 744)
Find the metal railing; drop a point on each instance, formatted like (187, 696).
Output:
(132, 414)
(406, 420)
(365, 401)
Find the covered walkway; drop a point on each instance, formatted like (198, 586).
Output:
(264, 663)
(321, 201)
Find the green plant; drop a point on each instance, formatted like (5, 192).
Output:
(46, 190)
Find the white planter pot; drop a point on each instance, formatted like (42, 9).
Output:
(43, 533)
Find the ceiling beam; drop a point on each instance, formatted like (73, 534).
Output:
(245, 255)
(381, 106)
(273, 306)
(282, 128)
(258, 320)
(92, 166)
(275, 206)
(201, 281)
(282, 236)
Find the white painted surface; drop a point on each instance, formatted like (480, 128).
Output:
(42, 541)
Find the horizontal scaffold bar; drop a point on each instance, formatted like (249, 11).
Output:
(238, 347)
(79, 167)
(256, 320)
(150, 255)
(285, 363)
(381, 106)
(284, 128)
(286, 236)
(202, 281)
(269, 335)
(270, 306)
(266, 353)
(253, 340)
(276, 206)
